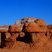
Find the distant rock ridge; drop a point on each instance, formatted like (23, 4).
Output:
(27, 32)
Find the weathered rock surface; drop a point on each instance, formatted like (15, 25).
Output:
(15, 28)
(27, 35)
(50, 31)
(4, 28)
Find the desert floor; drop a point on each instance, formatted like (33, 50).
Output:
(46, 48)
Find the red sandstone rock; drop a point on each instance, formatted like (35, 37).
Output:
(9, 43)
(34, 27)
(15, 28)
(40, 22)
(4, 28)
(14, 36)
(8, 35)
(50, 28)
(50, 31)
(33, 30)
(39, 39)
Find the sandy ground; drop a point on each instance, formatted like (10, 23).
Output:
(19, 48)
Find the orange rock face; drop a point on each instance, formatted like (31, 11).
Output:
(50, 31)
(27, 35)
(15, 28)
(36, 27)
(39, 39)
(8, 35)
(50, 28)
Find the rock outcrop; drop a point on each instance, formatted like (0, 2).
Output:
(27, 33)
(50, 31)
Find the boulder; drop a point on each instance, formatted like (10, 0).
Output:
(34, 27)
(26, 32)
(31, 25)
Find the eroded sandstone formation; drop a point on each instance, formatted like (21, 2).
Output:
(27, 32)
